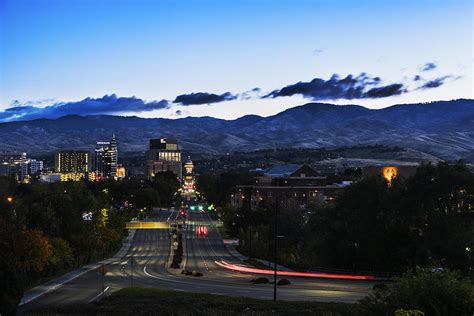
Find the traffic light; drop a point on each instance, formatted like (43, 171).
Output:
(182, 213)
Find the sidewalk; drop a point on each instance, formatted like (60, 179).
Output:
(51, 285)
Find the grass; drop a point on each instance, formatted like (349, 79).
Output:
(141, 301)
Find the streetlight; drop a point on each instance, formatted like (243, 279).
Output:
(10, 199)
(275, 249)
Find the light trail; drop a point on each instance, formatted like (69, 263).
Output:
(246, 269)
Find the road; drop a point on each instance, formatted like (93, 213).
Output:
(150, 253)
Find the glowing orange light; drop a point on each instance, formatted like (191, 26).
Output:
(390, 173)
(9, 199)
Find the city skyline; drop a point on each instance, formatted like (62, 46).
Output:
(227, 60)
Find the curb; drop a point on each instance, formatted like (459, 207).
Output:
(56, 283)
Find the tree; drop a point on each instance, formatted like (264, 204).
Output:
(32, 250)
(62, 256)
(23, 252)
(443, 293)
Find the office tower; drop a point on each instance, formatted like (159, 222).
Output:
(113, 152)
(14, 165)
(70, 161)
(105, 159)
(35, 166)
(163, 155)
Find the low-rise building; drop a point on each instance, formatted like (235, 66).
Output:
(295, 184)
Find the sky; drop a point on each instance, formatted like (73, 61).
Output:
(229, 58)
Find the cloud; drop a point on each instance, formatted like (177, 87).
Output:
(435, 83)
(251, 94)
(417, 78)
(203, 98)
(386, 91)
(350, 87)
(317, 51)
(179, 112)
(108, 104)
(428, 66)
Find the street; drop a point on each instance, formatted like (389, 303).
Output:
(149, 256)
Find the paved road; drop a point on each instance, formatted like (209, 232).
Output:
(150, 253)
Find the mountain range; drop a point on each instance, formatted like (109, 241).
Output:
(442, 128)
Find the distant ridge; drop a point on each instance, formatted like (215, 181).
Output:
(443, 128)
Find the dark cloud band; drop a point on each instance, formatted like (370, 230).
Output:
(350, 87)
(108, 104)
(203, 98)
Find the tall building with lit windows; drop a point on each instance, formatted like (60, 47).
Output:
(105, 159)
(71, 161)
(163, 155)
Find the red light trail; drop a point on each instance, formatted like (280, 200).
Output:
(240, 268)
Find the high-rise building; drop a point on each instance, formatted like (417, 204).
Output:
(35, 166)
(163, 155)
(67, 161)
(105, 159)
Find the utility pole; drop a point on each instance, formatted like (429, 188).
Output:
(275, 250)
(103, 272)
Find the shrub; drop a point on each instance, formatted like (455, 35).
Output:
(443, 293)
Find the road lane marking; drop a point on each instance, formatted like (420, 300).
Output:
(101, 293)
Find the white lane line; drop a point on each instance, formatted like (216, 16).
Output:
(101, 293)
(126, 245)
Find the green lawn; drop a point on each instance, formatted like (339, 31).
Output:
(141, 301)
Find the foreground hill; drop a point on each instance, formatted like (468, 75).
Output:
(444, 128)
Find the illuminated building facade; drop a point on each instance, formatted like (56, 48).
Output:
(121, 172)
(15, 166)
(163, 155)
(105, 159)
(35, 166)
(188, 188)
(72, 162)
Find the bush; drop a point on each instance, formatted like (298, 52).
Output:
(434, 294)
(260, 281)
(283, 282)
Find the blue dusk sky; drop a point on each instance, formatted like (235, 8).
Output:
(228, 58)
